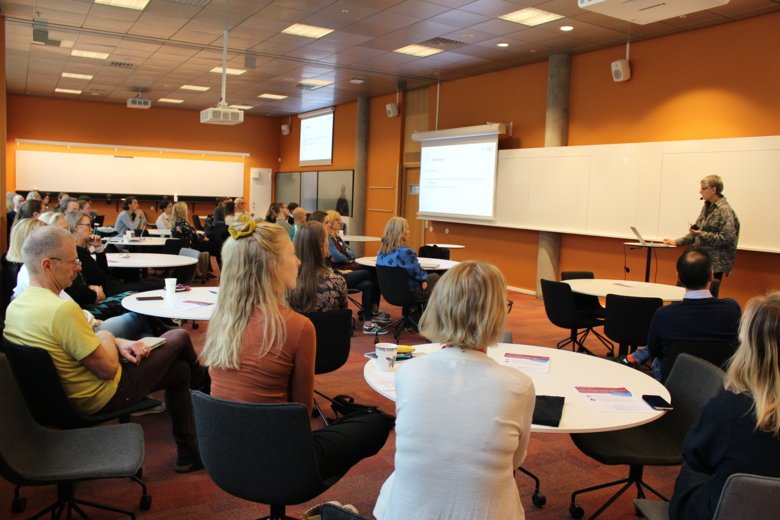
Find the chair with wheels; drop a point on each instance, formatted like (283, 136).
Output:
(717, 353)
(394, 285)
(692, 383)
(585, 302)
(628, 320)
(259, 452)
(112, 451)
(334, 340)
(561, 310)
(434, 251)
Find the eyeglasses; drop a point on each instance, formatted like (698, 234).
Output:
(509, 304)
(75, 262)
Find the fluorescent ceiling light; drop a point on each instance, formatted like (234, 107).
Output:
(241, 107)
(232, 72)
(502, 44)
(272, 96)
(420, 51)
(67, 91)
(566, 28)
(307, 31)
(138, 5)
(196, 88)
(89, 54)
(531, 17)
(76, 76)
(170, 100)
(315, 83)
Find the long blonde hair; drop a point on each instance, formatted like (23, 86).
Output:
(467, 307)
(19, 233)
(755, 367)
(330, 216)
(249, 281)
(180, 211)
(394, 235)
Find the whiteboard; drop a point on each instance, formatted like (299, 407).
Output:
(95, 173)
(602, 190)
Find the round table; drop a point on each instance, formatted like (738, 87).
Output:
(447, 246)
(566, 371)
(159, 232)
(196, 304)
(600, 287)
(360, 238)
(138, 241)
(148, 260)
(428, 264)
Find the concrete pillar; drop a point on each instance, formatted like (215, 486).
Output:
(556, 132)
(358, 224)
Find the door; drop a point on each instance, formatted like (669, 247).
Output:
(259, 191)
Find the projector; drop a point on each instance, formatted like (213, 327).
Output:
(139, 102)
(222, 115)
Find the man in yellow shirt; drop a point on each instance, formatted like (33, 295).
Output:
(99, 372)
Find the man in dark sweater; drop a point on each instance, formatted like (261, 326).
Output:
(698, 317)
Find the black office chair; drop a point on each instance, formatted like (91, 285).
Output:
(98, 220)
(585, 302)
(562, 312)
(32, 455)
(334, 340)
(717, 353)
(259, 452)
(715, 288)
(628, 320)
(692, 383)
(394, 285)
(196, 222)
(434, 251)
(172, 246)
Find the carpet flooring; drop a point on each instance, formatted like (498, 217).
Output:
(553, 457)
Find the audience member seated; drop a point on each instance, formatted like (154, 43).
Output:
(298, 219)
(394, 253)
(166, 220)
(12, 262)
(132, 218)
(464, 420)
(67, 204)
(317, 215)
(278, 214)
(31, 208)
(260, 351)
(292, 206)
(319, 289)
(698, 317)
(53, 218)
(99, 372)
(357, 276)
(739, 430)
(240, 206)
(230, 213)
(189, 236)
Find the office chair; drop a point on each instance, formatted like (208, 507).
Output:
(715, 288)
(717, 353)
(259, 452)
(628, 320)
(585, 302)
(434, 251)
(692, 383)
(562, 312)
(394, 285)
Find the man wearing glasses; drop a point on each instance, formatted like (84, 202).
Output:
(100, 373)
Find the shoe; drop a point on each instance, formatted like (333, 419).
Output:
(187, 464)
(374, 329)
(160, 408)
(628, 361)
(382, 317)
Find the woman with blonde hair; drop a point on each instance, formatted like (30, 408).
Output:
(258, 350)
(738, 431)
(395, 253)
(474, 410)
(53, 218)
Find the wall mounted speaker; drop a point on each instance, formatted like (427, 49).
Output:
(392, 109)
(285, 129)
(621, 71)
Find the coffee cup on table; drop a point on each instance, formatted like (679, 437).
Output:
(170, 289)
(385, 356)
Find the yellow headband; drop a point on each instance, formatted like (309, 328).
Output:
(243, 226)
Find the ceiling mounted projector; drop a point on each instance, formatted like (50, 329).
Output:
(139, 102)
(222, 114)
(643, 12)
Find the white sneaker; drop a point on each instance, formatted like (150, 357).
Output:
(374, 329)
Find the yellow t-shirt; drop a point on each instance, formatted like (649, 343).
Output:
(40, 318)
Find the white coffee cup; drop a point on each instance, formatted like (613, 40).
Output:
(385, 356)
(170, 289)
(129, 235)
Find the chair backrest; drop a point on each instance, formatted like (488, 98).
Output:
(559, 304)
(334, 339)
(577, 275)
(434, 252)
(196, 222)
(628, 318)
(186, 273)
(172, 246)
(258, 452)
(717, 353)
(715, 288)
(394, 285)
(692, 383)
(745, 497)
(40, 385)
(98, 220)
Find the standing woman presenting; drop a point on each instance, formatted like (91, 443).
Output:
(716, 230)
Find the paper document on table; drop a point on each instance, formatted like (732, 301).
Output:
(429, 265)
(527, 363)
(188, 305)
(385, 383)
(612, 399)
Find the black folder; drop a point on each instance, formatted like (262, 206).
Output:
(548, 410)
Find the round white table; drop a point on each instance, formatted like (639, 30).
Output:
(196, 304)
(567, 370)
(599, 287)
(137, 241)
(447, 246)
(428, 264)
(360, 238)
(159, 232)
(147, 260)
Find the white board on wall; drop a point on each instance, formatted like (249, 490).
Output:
(95, 173)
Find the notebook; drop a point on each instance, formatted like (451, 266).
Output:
(153, 342)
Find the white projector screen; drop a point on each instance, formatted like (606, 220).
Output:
(458, 178)
(316, 138)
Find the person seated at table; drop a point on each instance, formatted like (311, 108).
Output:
(230, 213)
(698, 317)
(166, 219)
(31, 208)
(67, 204)
(188, 235)
(395, 253)
(317, 215)
(358, 276)
(258, 350)
(738, 431)
(464, 420)
(53, 218)
(299, 218)
(319, 288)
(12, 261)
(132, 218)
(99, 372)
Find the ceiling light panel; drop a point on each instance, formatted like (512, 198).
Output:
(272, 96)
(307, 31)
(241, 107)
(196, 88)
(67, 91)
(531, 17)
(418, 50)
(89, 54)
(138, 5)
(170, 100)
(73, 75)
(229, 71)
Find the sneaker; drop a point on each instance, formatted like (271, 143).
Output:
(374, 329)
(382, 317)
(160, 408)
(187, 464)
(628, 361)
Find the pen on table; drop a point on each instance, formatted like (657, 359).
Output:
(214, 292)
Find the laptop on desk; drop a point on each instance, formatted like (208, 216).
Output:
(643, 241)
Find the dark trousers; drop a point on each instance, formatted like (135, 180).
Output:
(173, 367)
(364, 281)
(347, 441)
